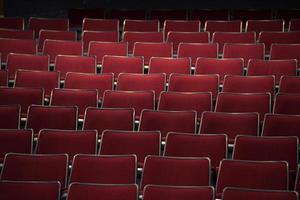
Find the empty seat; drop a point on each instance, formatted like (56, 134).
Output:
(39, 79)
(100, 24)
(231, 124)
(141, 25)
(3, 77)
(79, 191)
(133, 37)
(160, 192)
(16, 34)
(63, 47)
(264, 25)
(222, 67)
(99, 49)
(22, 96)
(169, 65)
(102, 36)
(187, 37)
(140, 143)
(285, 51)
(108, 118)
(245, 51)
(51, 117)
(108, 169)
(196, 101)
(122, 64)
(16, 46)
(70, 142)
(231, 193)
(181, 26)
(17, 61)
(185, 145)
(249, 84)
(252, 174)
(270, 37)
(37, 24)
(10, 116)
(55, 35)
(281, 125)
(138, 82)
(194, 83)
(223, 26)
(176, 171)
(294, 25)
(12, 23)
(15, 141)
(244, 102)
(101, 82)
(267, 148)
(209, 14)
(34, 190)
(287, 104)
(287, 14)
(232, 37)
(195, 50)
(289, 84)
(277, 68)
(66, 63)
(167, 121)
(82, 98)
(35, 167)
(252, 14)
(138, 100)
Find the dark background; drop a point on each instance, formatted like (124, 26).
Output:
(59, 8)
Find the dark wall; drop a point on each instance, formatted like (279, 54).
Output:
(60, 8)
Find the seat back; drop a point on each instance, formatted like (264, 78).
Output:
(51, 117)
(35, 167)
(99, 49)
(271, 175)
(141, 143)
(231, 124)
(70, 142)
(222, 67)
(82, 64)
(17, 61)
(277, 68)
(108, 118)
(10, 116)
(110, 169)
(33, 190)
(176, 171)
(167, 121)
(186, 145)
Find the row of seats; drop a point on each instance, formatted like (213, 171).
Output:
(158, 170)
(218, 35)
(144, 143)
(189, 61)
(77, 191)
(77, 15)
(235, 114)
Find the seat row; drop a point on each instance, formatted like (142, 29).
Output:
(158, 170)
(235, 113)
(192, 59)
(176, 36)
(78, 191)
(144, 143)
(38, 23)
